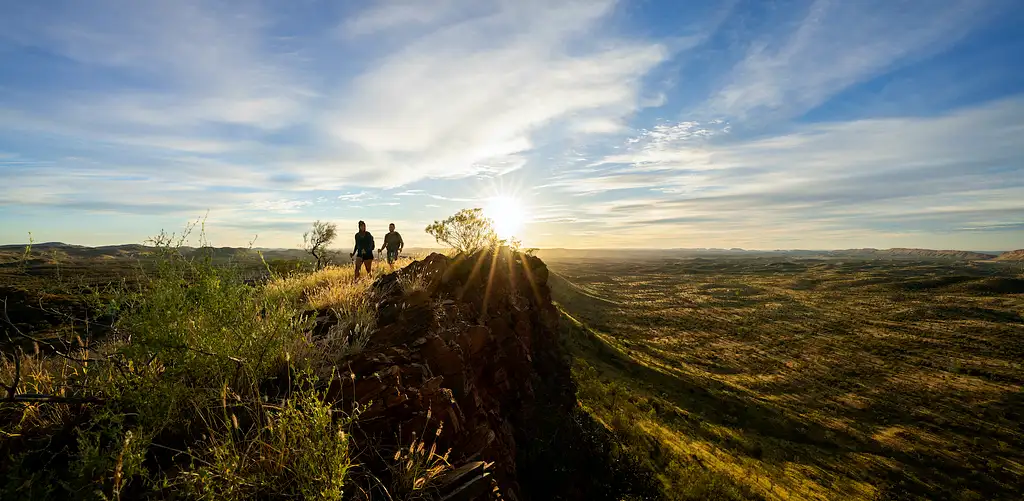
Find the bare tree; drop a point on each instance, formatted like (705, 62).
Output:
(316, 241)
(466, 231)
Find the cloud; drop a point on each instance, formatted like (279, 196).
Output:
(196, 84)
(908, 175)
(283, 206)
(253, 110)
(356, 197)
(395, 14)
(470, 96)
(211, 55)
(834, 45)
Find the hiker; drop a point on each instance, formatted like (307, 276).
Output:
(363, 251)
(393, 242)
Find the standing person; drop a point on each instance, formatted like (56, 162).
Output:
(393, 242)
(363, 251)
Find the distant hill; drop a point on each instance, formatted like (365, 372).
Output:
(1017, 255)
(900, 252)
(134, 250)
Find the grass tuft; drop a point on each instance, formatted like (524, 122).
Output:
(296, 449)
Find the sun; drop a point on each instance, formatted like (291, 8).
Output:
(508, 215)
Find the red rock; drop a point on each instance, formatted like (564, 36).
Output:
(465, 351)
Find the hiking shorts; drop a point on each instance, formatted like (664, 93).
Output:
(392, 255)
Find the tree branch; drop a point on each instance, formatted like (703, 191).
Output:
(32, 398)
(7, 320)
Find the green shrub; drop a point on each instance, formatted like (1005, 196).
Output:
(189, 334)
(295, 449)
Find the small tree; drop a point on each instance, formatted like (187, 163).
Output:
(316, 241)
(466, 231)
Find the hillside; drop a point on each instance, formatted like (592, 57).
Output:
(1017, 255)
(71, 252)
(899, 252)
(806, 379)
(447, 379)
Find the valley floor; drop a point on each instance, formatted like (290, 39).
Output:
(768, 378)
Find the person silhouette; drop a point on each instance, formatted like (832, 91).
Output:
(394, 244)
(363, 251)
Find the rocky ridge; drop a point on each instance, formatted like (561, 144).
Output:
(462, 349)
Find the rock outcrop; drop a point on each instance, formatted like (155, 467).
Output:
(463, 345)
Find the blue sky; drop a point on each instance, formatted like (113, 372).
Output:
(632, 123)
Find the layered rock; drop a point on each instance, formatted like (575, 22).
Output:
(464, 344)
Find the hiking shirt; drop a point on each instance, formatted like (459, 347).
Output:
(364, 245)
(393, 240)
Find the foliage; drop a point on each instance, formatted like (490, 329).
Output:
(316, 241)
(188, 342)
(203, 319)
(27, 253)
(517, 246)
(465, 231)
(293, 450)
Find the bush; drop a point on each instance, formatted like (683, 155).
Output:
(176, 388)
(466, 231)
(296, 449)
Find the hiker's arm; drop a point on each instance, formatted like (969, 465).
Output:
(401, 243)
(356, 248)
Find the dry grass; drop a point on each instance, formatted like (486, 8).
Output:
(416, 468)
(811, 379)
(352, 303)
(295, 449)
(42, 375)
(333, 286)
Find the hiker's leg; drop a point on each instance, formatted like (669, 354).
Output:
(367, 263)
(359, 261)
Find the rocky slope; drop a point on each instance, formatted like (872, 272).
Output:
(1017, 255)
(470, 348)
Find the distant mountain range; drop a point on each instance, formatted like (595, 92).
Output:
(866, 253)
(916, 253)
(560, 253)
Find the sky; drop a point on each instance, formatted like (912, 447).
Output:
(760, 124)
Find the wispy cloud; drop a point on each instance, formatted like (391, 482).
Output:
(400, 14)
(908, 174)
(469, 96)
(212, 55)
(836, 44)
(356, 197)
(281, 206)
(614, 119)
